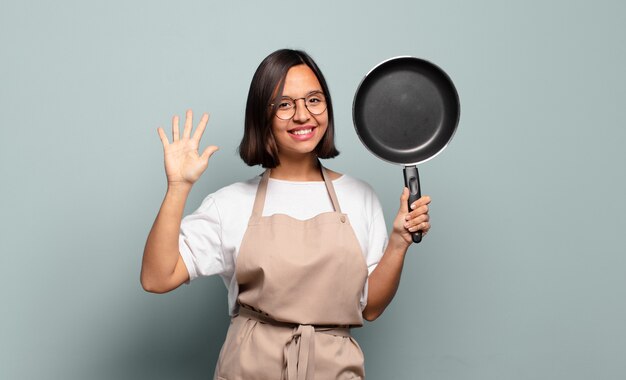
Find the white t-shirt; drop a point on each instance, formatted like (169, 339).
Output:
(210, 237)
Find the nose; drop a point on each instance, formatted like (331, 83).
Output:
(302, 113)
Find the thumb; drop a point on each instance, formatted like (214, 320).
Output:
(208, 152)
(404, 201)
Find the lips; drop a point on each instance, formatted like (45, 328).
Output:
(302, 133)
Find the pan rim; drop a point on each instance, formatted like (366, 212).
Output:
(438, 69)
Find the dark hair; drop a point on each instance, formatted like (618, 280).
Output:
(258, 146)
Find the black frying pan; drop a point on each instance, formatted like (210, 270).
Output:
(406, 111)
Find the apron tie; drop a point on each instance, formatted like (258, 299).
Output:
(300, 354)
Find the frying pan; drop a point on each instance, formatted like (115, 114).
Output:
(406, 111)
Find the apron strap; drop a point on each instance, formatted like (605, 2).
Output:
(299, 354)
(259, 200)
(331, 189)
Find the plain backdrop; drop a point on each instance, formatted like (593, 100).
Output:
(521, 277)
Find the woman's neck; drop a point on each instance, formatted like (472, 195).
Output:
(301, 169)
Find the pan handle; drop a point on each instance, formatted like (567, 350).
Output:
(412, 181)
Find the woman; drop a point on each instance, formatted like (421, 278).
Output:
(313, 258)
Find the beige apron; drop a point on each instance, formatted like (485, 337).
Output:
(300, 284)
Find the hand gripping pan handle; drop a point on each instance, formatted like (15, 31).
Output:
(412, 181)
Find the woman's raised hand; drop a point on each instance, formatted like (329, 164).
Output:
(183, 164)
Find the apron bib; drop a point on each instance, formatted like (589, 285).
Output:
(300, 284)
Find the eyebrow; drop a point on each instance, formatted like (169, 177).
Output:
(309, 93)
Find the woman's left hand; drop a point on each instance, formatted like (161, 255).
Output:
(417, 219)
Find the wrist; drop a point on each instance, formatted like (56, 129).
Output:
(398, 243)
(182, 188)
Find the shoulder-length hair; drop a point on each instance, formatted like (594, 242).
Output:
(258, 146)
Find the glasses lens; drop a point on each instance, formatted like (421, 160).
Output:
(316, 103)
(286, 109)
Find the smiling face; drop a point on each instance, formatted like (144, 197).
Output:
(299, 135)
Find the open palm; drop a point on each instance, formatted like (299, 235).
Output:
(183, 164)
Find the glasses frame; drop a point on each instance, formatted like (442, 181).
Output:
(295, 105)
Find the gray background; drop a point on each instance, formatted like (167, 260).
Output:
(522, 276)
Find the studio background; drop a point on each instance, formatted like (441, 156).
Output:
(522, 275)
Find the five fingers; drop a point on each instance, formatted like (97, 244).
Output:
(187, 129)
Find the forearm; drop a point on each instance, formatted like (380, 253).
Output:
(383, 282)
(161, 252)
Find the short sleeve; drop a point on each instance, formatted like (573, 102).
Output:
(377, 240)
(200, 242)
(377, 236)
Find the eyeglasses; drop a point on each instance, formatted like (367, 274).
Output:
(314, 102)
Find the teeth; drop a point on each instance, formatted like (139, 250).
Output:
(302, 131)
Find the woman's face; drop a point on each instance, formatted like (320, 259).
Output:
(300, 134)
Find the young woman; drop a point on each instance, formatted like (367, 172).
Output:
(303, 250)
